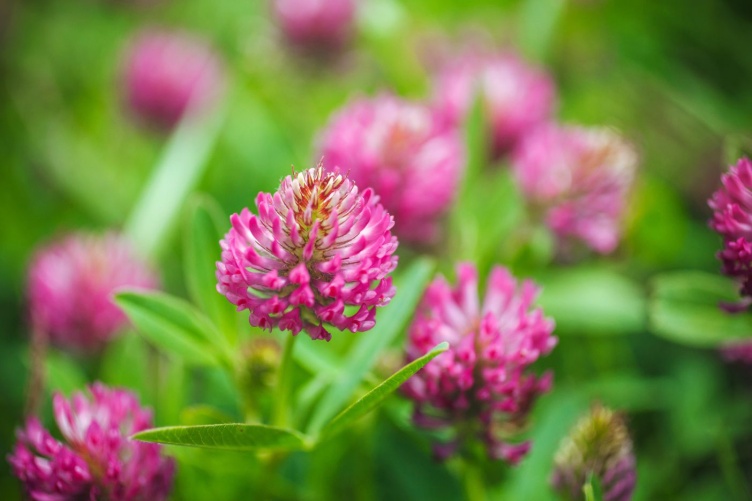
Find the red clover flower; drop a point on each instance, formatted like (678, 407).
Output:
(397, 148)
(481, 386)
(70, 287)
(96, 459)
(316, 247)
(579, 178)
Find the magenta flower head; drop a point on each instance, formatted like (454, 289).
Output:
(515, 96)
(316, 25)
(481, 386)
(96, 459)
(732, 219)
(70, 287)
(598, 446)
(579, 179)
(317, 246)
(397, 148)
(169, 74)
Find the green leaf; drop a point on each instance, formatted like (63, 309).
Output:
(685, 309)
(231, 436)
(538, 20)
(178, 170)
(202, 235)
(392, 320)
(593, 301)
(176, 327)
(374, 397)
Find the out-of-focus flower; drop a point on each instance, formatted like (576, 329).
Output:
(598, 446)
(732, 219)
(261, 358)
(316, 25)
(515, 96)
(96, 459)
(398, 149)
(169, 74)
(70, 287)
(317, 246)
(481, 385)
(579, 178)
(738, 351)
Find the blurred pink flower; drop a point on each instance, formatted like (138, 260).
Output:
(316, 246)
(738, 351)
(168, 74)
(70, 287)
(317, 25)
(515, 96)
(396, 148)
(481, 385)
(97, 459)
(732, 219)
(579, 178)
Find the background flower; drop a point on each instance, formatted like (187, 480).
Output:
(70, 285)
(318, 25)
(516, 97)
(579, 179)
(168, 74)
(598, 445)
(481, 386)
(97, 459)
(397, 148)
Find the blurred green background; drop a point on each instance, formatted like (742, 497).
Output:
(673, 76)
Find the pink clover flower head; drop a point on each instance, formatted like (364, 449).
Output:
(599, 445)
(481, 384)
(732, 219)
(398, 149)
(580, 179)
(168, 75)
(515, 96)
(96, 459)
(70, 287)
(317, 25)
(317, 246)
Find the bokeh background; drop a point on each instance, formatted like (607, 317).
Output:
(673, 76)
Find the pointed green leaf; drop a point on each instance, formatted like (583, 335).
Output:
(685, 308)
(374, 397)
(392, 320)
(178, 170)
(175, 326)
(231, 436)
(204, 227)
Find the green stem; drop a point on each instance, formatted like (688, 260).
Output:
(729, 463)
(284, 376)
(475, 489)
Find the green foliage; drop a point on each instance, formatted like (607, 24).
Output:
(230, 436)
(203, 231)
(176, 327)
(374, 397)
(686, 308)
(593, 301)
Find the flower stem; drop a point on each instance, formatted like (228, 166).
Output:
(475, 489)
(284, 376)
